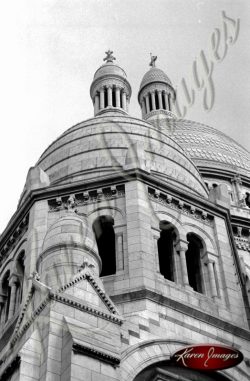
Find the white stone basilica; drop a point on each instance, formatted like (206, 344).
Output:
(130, 241)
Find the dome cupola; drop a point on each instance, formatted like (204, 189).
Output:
(110, 89)
(156, 93)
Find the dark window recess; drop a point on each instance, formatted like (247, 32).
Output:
(20, 269)
(193, 258)
(156, 101)
(150, 102)
(163, 101)
(105, 239)
(247, 199)
(113, 98)
(6, 292)
(105, 97)
(166, 252)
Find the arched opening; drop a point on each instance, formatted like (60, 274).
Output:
(105, 97)
(6, 290)
(166, 250)
(105, 239)
(163, 101)
(157, 106)
(193, 259)
(168, 371)
(20, 273)
(113, 98)
(247, 199)
(150, 102)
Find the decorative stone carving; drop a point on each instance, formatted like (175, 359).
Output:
(86, 197)
(181, 206)
(12, 241)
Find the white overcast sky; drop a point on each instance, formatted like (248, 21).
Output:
(50, 50)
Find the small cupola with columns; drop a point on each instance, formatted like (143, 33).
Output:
(110, 89)
(156, 94)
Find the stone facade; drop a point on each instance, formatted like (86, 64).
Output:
(129, 242)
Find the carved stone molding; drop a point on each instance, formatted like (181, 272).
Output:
(92, 352)
(242, 243)
(87, 197)
(182, 207)
(14, 238)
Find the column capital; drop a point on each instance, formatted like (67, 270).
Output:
(236, 179)
(181, 244)
(3, 297)
(209, 260)
(13, 279)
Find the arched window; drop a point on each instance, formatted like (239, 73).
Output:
(247, 199)
(166, 250)
(157, 106)
(6, 292)
(105, 239)
(193, 259)
(20, 274)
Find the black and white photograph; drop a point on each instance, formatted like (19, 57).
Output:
(125, 167)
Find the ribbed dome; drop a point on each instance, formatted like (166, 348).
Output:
(208, 147)
(67, 244)
(72, 231)
(101, 147)
(109, 68)
(155, 75)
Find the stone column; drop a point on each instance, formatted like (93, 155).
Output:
(2, 302)
(127, 103)
(96, 105)
(153, 100)
(143, 106)
(210, 265)
(182, 247)
(159, 92)
(156, 236)
(166, 100)
(117, 97)
(119, 251)
(147, 104)
(109, 96)
(13, 285)
(102, 98)
(169, 102)
(124, 100)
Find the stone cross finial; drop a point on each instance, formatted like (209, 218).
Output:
(110, 57)
(152, 60)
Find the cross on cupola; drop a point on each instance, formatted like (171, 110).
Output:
(152, 60)
(110, 57)
(110, 90)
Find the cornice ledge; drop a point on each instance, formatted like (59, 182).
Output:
(95, 353)
(187, 309)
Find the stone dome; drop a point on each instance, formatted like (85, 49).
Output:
(103, 146)
(108, 69)
(70, 230)
(208, 147)
(154, 75)
(67, 244)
